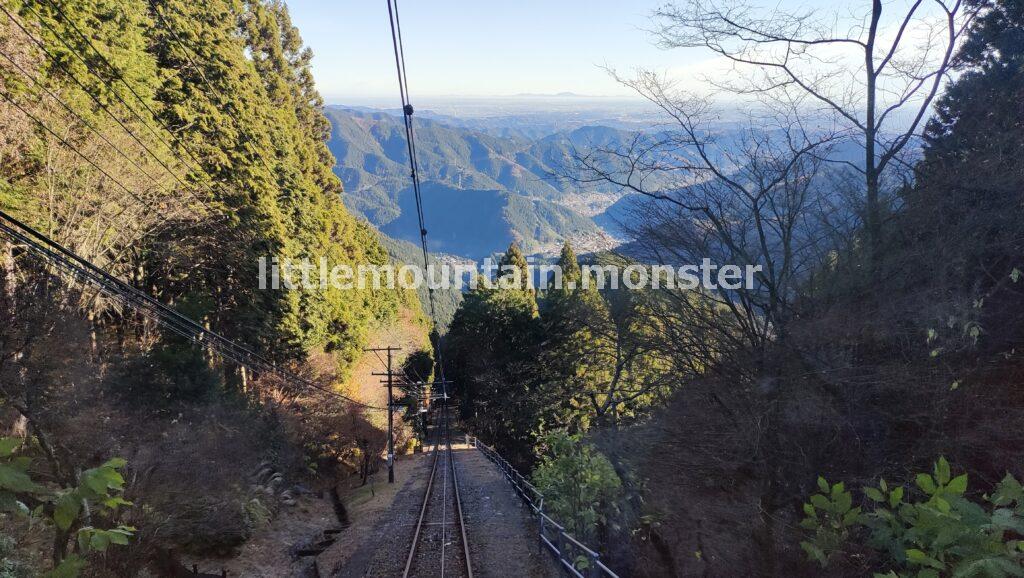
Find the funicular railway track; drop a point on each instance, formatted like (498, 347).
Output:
(439, 544)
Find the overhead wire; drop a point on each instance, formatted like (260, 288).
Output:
(217, 216)
(407, 113)
(53, 58)
(120, 77)
(170, 319)
(186, 51)
(84, 270)
(146, 204)
(36, 82)
(136, 299)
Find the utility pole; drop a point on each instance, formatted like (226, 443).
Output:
(391, 409)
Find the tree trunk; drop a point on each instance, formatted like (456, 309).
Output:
(872, 217)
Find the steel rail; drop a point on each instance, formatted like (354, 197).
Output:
(423, 514)
(458, 509)
(443, 431)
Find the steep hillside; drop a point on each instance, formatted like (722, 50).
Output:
(476, 223)
(446, 301)
(487, 190)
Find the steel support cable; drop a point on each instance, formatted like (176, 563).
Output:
(408, 101)
(230, 349)
(169, 317)
(133, 297)
(53, 58)
(407, 112)
(156, 117)
(85, 275)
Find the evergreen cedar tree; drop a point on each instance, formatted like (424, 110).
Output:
(232, 80)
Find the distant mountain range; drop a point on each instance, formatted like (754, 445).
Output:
(481, 191)
(490, 179)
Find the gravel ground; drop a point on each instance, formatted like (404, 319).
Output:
(377, 544)
(502, 534)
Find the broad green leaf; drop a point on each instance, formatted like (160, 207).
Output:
(820, 502)
(115, 502)
(810, 511)
(15, 480)
(873, 494)
(958, 485)
(99, 541)
(121, 534)
(1008, 491)
(942, 471)
(925, 482)
(896, 496)
(66, 510)
(815, 553)
(843, 501)
(916, 556)
(823, 485)
(70, 567)
(116, 463)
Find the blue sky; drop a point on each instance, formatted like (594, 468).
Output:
(480, 47)
(507, 47)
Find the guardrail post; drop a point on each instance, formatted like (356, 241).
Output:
(540, 518)
(540, 536)
(560, 546)
(595, 570)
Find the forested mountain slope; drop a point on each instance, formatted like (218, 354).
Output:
(485, 191)
(173, 144)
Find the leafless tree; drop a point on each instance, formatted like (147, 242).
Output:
(779, 189)
(873, 74)
(750, 196)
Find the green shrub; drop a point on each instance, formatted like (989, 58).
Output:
(579, 484)
(928, 531)
(68, 510)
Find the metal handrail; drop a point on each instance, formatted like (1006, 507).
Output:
(560, 542)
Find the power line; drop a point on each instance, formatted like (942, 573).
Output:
(53, 58)
(89, 125)
(137, 300)
(186, 53)
(410, 137)
(120, 77)
(147, 205)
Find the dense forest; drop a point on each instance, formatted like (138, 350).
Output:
(858, 411)
(172, 144)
